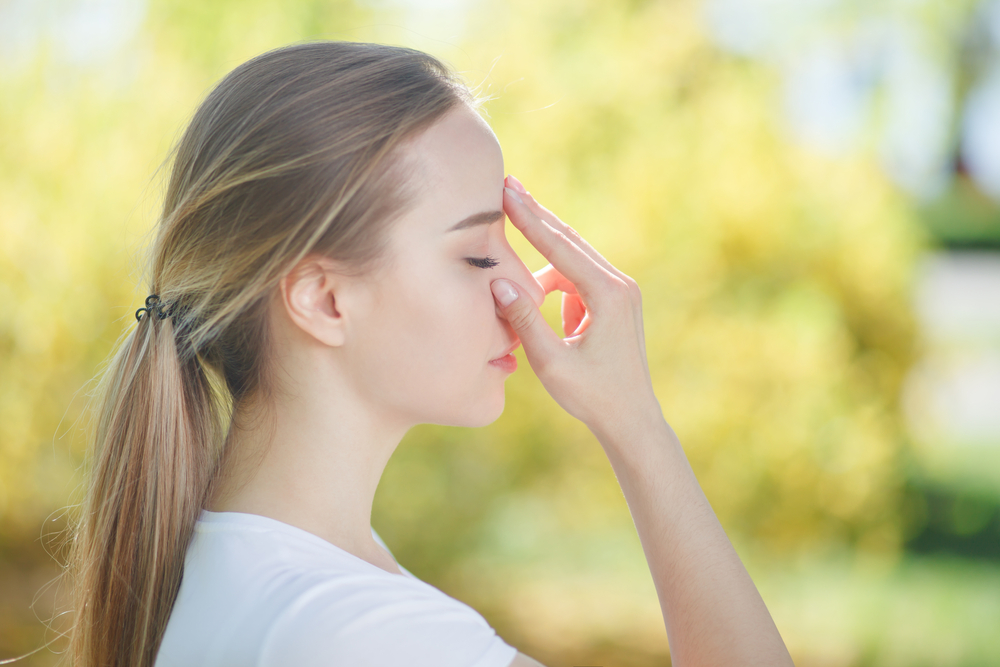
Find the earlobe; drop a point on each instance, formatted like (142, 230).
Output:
(309, 296)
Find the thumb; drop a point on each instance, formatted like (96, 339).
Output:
(519, 309)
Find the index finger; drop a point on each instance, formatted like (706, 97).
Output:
(557, 224)
(568, 258)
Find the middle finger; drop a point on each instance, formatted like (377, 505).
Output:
(550, 279)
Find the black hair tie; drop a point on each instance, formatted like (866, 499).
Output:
(153, 307)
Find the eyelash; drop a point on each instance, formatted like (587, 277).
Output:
(482, 262)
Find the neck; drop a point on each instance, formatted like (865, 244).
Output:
(314, 462)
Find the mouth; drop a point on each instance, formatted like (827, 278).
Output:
(510, 349)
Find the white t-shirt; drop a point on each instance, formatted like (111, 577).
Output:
(258, 592)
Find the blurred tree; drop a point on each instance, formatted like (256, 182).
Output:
(920, 80)
(774, 282)
(774, 287)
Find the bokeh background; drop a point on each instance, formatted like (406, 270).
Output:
(808, 193)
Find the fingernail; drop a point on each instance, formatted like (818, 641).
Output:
(503, 291)
(516, 183)
(513, 194)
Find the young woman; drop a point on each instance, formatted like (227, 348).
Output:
(330, 270)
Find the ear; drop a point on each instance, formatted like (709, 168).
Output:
(309, 295)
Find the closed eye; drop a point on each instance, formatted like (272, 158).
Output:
(482, 262)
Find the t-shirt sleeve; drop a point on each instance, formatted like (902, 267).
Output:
(376, 622)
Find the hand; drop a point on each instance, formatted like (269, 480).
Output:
(598, 373)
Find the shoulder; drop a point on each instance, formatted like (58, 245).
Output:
(258, 592)
(380, 621)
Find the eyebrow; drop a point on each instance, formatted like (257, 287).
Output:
(484, 218)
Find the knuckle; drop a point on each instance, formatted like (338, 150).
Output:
(620, 287)
(633, 288)
(521, 318)
(608, 282)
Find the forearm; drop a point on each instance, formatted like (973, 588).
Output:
(712, 610)
(600, 375)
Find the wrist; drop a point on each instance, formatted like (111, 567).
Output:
(645, 453)
(629, 431)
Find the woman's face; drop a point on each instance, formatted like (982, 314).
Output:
(424, 343)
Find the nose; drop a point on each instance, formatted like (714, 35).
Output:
(516, 270)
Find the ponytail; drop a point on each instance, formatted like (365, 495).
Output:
(294, 152)
(155, 445)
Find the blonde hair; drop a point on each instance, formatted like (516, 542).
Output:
(294, 152)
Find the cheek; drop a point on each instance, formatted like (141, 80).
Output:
(445, 325)
(458, 319)
(425, 351)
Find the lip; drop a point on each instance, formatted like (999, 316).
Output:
(508, 364)
(510, 349)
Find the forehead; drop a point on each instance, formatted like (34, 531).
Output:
(456, 170)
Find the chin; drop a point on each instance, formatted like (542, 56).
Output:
(480, 413)
(492, 415)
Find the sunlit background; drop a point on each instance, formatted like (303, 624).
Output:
(808, 193)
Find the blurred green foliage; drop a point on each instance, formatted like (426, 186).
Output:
(775, 290)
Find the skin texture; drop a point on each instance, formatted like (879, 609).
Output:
(360, 360)
(599, 373)
(363, 359)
